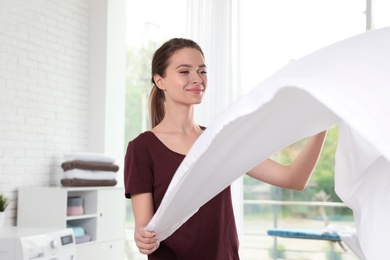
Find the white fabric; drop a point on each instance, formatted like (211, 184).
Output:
(89, 157)
(347, 83)
(349, 237)
(88, 174)
(219, 42)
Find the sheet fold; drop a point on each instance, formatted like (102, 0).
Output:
(346, 83)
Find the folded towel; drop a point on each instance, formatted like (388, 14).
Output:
(90, 157)
(77, 231)
(83, 183)
(93, 166)
(83, 239)
(88, 175)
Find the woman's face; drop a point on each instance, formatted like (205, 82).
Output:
(185, 79)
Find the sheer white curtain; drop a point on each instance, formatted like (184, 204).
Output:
(214, 25)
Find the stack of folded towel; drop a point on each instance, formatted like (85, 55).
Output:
(79, 234)
(89, 169)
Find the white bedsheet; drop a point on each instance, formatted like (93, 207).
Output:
(348, 236)
(346, 83)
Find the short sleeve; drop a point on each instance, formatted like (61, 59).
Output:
(138, 169)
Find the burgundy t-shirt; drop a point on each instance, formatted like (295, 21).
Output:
(210, 234)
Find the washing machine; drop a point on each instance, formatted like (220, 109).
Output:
(30, 243)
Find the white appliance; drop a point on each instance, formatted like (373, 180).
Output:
(28, 243)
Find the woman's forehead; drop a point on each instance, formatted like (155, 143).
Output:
(187, 56)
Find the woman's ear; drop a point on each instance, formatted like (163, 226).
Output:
(158, 80)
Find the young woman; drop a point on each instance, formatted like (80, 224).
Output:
(179, 77)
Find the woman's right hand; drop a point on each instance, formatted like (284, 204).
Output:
(143, 210)
(146, 241)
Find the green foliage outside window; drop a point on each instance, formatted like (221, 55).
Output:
(321, 181)
(138, 86)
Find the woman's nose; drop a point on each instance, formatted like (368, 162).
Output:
(196, 78)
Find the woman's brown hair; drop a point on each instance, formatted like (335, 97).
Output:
(160, 63)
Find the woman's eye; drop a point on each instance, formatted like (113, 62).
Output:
(184, 71)
(203, 72)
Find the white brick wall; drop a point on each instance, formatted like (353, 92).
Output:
(43, 90)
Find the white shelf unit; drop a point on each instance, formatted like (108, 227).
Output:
(103, 218)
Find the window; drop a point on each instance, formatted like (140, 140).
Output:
(271, 34)
(274, 33)
(149, 24)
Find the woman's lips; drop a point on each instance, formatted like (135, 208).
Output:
(197, 90)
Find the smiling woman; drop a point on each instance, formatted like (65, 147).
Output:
(179, 78)
(177, 68)
(186, 74)
(261, 39)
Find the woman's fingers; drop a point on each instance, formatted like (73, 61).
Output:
(146, 241)
(147, 249)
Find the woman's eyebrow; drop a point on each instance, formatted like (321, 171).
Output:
(184, 65)
(190, 66)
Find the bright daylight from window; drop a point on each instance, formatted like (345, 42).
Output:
(271, 34)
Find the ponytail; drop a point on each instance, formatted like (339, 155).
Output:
(156, 106)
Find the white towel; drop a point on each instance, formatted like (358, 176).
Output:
(88, 175)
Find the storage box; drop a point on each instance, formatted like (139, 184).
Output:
(75, 206)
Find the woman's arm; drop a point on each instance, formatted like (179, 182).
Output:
(143, 211)
(295, 175)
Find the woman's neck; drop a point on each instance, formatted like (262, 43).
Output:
(179, 120)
